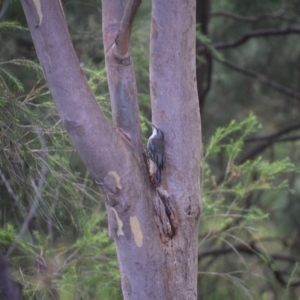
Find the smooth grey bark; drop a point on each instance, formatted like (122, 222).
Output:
(117, 21)
(155, 228)
(175, 109)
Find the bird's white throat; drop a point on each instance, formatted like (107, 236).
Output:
(154, 133)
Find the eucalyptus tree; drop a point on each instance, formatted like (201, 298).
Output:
(155, 226)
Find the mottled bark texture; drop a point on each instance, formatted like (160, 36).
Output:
(155, 228)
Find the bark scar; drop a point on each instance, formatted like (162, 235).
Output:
(116, 225)
(38, 6)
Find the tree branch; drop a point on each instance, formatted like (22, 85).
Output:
(263, 79)
(256, 33)
(123, 38)
(99, 145)
(251, 249)
(235, 17)
(268, 141)
(275, 135)
(283, 140)
(117, 24)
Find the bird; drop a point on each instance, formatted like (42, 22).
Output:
(155, 150)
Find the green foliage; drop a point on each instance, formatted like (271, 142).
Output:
(70, 235)
(11, 25)
(85, 268)
(8, 234)
(232, 219)
(72, 240)
(7, 78)
(66, 251)
(218, 141)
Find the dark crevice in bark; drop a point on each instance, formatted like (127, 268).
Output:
(169, 211)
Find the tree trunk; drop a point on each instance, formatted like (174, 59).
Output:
(175, 109)
(155, 227)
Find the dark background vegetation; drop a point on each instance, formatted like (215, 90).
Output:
(53, 222)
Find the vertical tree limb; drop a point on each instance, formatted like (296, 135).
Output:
(175, 110)
(123, 38)
(100, 147)
(157, 260)
(116, 25)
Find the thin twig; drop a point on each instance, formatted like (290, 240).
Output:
(11, 192)
(263, 79)
(247, 248)
(235, 17)
(38, 192)
(275, 135)
(256, 33)
(268, 141)
(252, 249)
